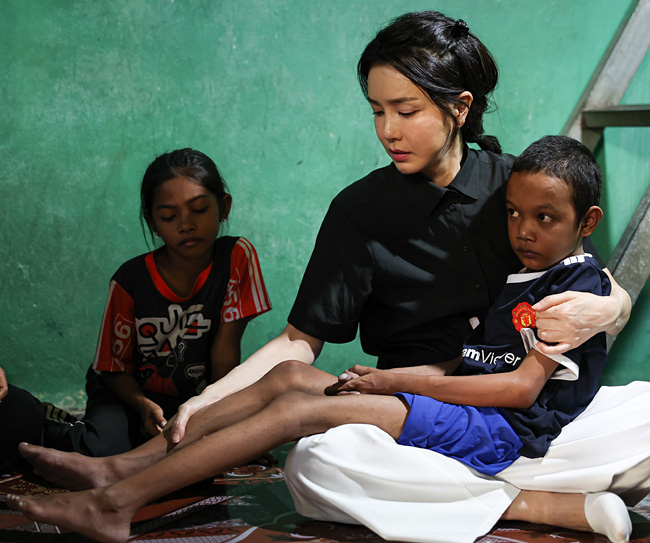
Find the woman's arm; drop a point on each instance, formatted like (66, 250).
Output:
(291, 344)
(517, 389)
(225, 353)
(126, 388)
(571, 318)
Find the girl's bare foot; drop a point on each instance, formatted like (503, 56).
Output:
(68, 469)
(91, 513)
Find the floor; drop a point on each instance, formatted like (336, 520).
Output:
(252, 504)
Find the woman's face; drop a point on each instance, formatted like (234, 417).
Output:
(412, 129)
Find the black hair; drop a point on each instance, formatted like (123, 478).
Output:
(187, 163)
(443, 58)
(568, 160)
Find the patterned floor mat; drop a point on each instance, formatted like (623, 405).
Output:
(252, 504)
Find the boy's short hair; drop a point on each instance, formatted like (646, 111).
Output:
(568, 160)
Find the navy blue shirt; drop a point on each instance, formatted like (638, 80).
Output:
(501, 342)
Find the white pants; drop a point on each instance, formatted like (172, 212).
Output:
(357, 473)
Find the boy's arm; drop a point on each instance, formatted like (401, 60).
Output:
(571, 318)
(516, 389)
(444, 368)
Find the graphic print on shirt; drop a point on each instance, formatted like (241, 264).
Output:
(122, 331)
(523, 316)
(163, 342)
(230, 311)
(491, 356)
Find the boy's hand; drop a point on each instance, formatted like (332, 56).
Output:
(335, 389)
(153, 419)
(367, 381)
(4, 387)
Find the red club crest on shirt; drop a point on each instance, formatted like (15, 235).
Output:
(523, 316)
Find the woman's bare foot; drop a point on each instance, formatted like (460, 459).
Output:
(91, 513)
(69, 470)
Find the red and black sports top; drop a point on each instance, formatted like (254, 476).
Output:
(165, 340)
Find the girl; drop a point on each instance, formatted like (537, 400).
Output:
(174, 317)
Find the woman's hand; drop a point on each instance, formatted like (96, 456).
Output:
(365, 380)
(179, 421)
(4, 387)
(571, 318)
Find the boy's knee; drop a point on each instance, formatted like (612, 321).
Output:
(293, 406)
(289, 374)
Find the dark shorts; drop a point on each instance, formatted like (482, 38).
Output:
(479, 437)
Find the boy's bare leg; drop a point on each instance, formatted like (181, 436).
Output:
(78, 472)
(107, 511)
(603, 513)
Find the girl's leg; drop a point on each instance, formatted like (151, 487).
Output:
(108, 510)
(77, 472)
(603, 512)
(22, 417)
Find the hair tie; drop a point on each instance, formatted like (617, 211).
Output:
(460, 29)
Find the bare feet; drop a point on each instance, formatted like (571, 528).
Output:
(68, 469)
(91, 513)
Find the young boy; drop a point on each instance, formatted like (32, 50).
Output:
(504, 399)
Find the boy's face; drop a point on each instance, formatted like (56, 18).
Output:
(542, 224)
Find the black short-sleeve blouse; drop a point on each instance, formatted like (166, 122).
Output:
(408, 262)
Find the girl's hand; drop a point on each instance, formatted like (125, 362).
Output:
(367, 381)
(571, 318)
(4, 387)
(153, 419)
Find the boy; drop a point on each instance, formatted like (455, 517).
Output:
(518, 398)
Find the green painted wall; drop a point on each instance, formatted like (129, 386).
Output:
(91, 92)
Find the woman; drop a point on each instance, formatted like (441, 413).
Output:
(410, 255)
(413, 252)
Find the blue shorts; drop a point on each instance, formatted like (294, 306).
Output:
(479, 437)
